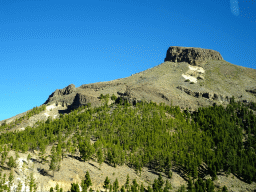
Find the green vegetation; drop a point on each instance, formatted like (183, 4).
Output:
(187, 80)
(142, 136)
(34, 111)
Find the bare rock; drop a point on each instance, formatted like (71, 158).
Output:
(82, 99)
(191, 55)
(253, 91)
(65, 91)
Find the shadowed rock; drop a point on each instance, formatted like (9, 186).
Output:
(191, 55)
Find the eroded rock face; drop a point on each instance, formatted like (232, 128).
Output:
(253, 91)
(66, 95)
(206, 95)
(65, 91)
(82, 99)
(191, 55)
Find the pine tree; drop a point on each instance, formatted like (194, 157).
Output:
(10, 179)
(28, 158)
(155, 186)
(160, 181)
(57, 187)
(54, 163)
(224, 189)
(127, 182)
(190, 185)
(142, 188)
(150, 189)
(87, 180)
(100, 156)
(123, 189)
(106, 183)
(32, 182)
(110, 188)
(115, 185)
(11, 162)
(74, 187)
(83, 186)
(168, 186)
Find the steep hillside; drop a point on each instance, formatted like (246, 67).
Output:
(190, 122)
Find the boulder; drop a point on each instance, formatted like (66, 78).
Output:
(191, 55)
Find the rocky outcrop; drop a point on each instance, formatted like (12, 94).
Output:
(191, 55)
(65, 95)
(82, 99)
(99, 86)
(65, 91)
(253, 91)
(206, 95)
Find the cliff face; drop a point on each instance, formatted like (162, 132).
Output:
(191, 55)
(189, 77)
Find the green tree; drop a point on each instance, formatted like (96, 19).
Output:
(127, 182)
(83, 186)
(190, 185)
(51, 189)
(182, 188)
(168, 186)
(142, 189)
(113, 97)
(57, 187)
(224, 189)
(86, 150)
(32, 182)
(115, 185)
(74, 187)
(10, 179)
(100, 156)
(17, 155)
(150, 189)
(87, 180)
(106, 183)
(11, 163)
(123, 189)
(160, 181)
(28, 158)
(54, 163)
(155, 186)
(59, 151)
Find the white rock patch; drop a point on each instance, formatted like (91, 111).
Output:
(48, 108)
(193, 70)
(190, 78)
(46, 114)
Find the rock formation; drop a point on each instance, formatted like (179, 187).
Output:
(65, 95)
(191, 55)
(165, 83)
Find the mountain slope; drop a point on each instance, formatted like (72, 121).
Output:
(195, 134)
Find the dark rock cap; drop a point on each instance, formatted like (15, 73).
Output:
(191, 55)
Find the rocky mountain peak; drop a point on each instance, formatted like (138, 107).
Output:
(193, 56)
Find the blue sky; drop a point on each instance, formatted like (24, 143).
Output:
(48, 44)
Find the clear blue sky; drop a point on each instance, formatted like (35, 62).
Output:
(48, 44)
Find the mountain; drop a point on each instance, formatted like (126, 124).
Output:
(189, 78)
(193, 115)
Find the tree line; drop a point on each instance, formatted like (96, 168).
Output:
(159, 137)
